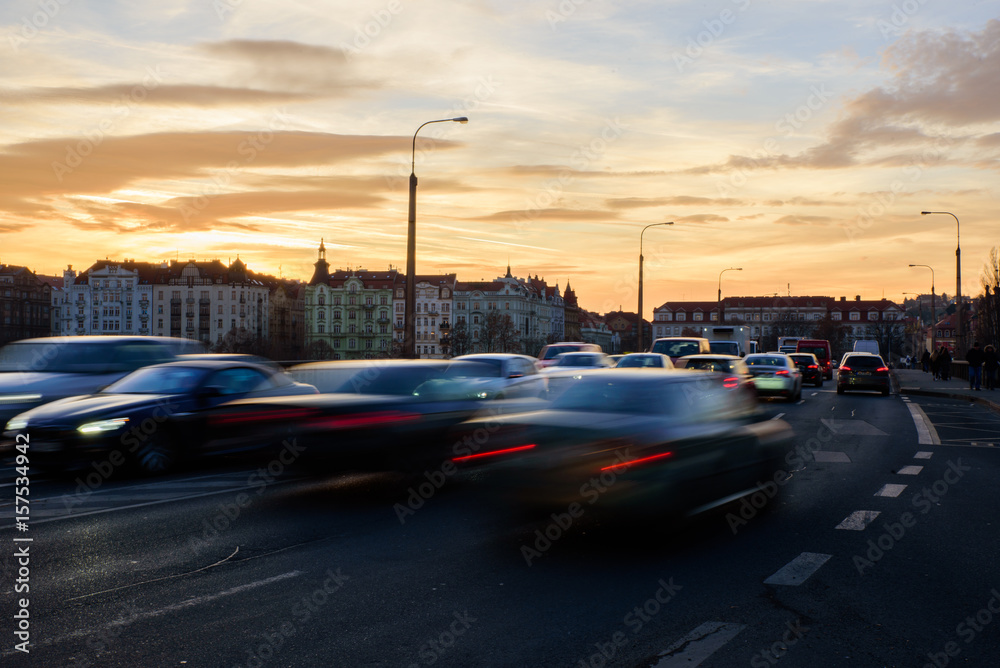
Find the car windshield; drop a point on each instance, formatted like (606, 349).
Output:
(707, 365)
(578, 359)
(478, 368)
(553, 351)
(54, 357)
(766, 361)
(677, 348)
(863, 362)
(158, 380)
(639, 361)
(818, 351)
(393, 380)
(802, 359)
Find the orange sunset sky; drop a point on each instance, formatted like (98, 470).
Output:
(798, 140)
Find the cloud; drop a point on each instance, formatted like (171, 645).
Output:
(679, 200)
(804, 220)
(703, 218)
(165, 95)
(553, 214)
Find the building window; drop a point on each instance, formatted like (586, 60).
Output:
(697, 317)
(680, 316)
(321, 328)
(835, 315)
(855, 315)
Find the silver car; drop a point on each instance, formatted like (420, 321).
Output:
(507, 376)
(775, 375)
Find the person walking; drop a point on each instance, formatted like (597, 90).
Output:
(936, 363)
(926, 361)
(944, 363)
(975, 359)
(990, 367)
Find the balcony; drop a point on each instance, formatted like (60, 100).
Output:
(445, 325)
(189, 300)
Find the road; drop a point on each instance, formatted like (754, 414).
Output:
(877, 550)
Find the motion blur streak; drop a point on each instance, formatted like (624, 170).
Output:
(493, 452)
(642, 460)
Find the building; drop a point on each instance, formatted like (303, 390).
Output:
(593, 329)
(286, 319)
(432, 315)
(25, 304)
(624, 331)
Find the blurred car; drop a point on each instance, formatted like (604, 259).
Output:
(36, 371)
(675, 347)
(644, 361)
(775, 374)
(863, 371)
(370, 415)
(615, 358)
(810, 368)
(547, 355)
(503, 376)
(735, 373)
(640, 440)
(152, 418)
(577, 361)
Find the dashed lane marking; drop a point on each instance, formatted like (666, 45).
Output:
(890, 490)
(695, 647)
(910, 470)
(799, 569)
(822, 456)
(858, 520)
(923, 455)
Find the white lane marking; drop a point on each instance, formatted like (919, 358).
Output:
(858, 520)
(910, 470)
(698, 645)
(151, 614)
(926, 433)
(923, 455)
(799, 569)
(814, 394)
(890, 490)
(831, 456)
(801, 401)
(778, 416)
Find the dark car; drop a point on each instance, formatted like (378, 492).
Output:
(147, 421)
(372, 415)
(863, 371)
(735, 373)
(36, 371)
(638, 441)
(810, 367)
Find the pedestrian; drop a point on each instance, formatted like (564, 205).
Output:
(975, 359)
(936, 363)
(990, 367)
(926, 361)
(945, 363)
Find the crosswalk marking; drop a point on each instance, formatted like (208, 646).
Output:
(910, 470)
(923, 455)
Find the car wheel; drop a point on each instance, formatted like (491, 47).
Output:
(840, 390)
(885, 393)
(156, 455)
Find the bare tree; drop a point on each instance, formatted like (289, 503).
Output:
(460, 343)
(988, 303)
(499, 334)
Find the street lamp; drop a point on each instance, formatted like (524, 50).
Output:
(718, 305)
(639, 340)
(958, 278)
(933, 307)
(410, 305)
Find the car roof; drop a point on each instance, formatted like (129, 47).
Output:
(215, 364)
(105, 338)
(713, 356)
(493, 356)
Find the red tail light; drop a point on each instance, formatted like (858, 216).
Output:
(783, 372)
(362, 420)
(641, 460)
(813, 366)
(882, 370)
(731, 382)
(492, 453)
(845, 368)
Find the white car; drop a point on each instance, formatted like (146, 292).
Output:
(578, 361)
(775, 375)
(509, 376)
(644, 361)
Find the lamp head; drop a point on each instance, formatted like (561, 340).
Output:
(924, 213)
(461, 119)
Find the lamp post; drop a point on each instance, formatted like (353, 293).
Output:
(933, 307)
(718, 304)
(959, 328)
(410, 305)
(639, 339)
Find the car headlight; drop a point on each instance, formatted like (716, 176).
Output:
(16, 423)
(19, 398)
(101, 426)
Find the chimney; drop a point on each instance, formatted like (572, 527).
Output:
(857, 298)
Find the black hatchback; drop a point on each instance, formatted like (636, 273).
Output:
(810, 368)
(863, 371)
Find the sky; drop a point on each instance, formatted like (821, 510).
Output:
(797, 140)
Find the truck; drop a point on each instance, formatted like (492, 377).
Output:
(727, 339)
(866, 346)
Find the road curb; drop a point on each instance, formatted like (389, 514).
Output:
(992, 405)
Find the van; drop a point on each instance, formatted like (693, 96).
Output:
(680, 346)
(821, 349)
(547, 356)
(866, 346)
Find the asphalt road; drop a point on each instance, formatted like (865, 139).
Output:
(244, 567)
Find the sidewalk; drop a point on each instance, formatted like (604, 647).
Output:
(920, 383)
